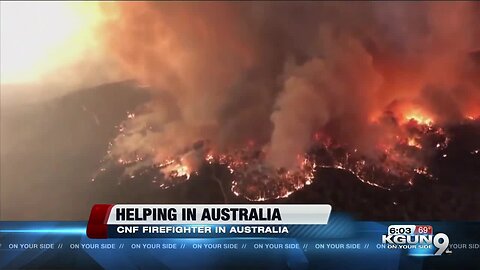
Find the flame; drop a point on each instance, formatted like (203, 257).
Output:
(257, 181)
(178, 171)
(412, 141)
(391, 162)
(395, 161)
(419, 117)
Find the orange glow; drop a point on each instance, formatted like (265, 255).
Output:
(405, 113)
(419, 118)
(39, 37)
(410, 112)
(414, 143)
(472, 114)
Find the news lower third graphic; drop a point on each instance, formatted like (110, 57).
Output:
(132, 236)
(117, 221)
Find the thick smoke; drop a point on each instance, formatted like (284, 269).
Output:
(274, 73)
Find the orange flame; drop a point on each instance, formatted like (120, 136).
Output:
(419, 117)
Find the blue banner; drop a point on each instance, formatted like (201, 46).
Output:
(341, 244)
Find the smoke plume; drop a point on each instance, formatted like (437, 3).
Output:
(275, 73)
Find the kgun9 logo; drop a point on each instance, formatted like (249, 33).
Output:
(418, 242)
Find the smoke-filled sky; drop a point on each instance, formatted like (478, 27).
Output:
(51, 48)
(275, 73)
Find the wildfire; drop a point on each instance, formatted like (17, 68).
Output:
(419, 118)
(255, 180)
(414, 143)
(392, 163)
(178, 171)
